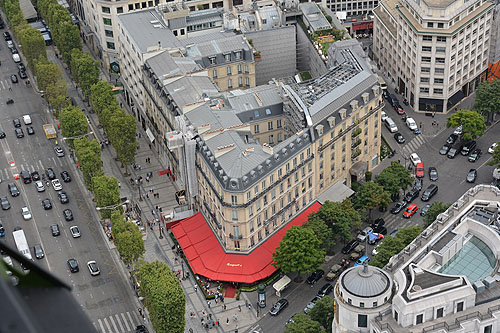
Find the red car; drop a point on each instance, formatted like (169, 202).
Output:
(399, 109)
(419, 170)
(412, 209)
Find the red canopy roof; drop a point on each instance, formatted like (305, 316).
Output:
(207, 257)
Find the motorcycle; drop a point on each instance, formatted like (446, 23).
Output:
(10, 101)
(405, 101)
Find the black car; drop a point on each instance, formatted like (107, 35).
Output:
(468, 147)
(16, 122)
(325, 290)
(14, 191)
(46, 204)
(315, 276)
(452, 153)
(38, 251)
(22, 74)
(14, 50)
(19, 133)
(63, 197)
(6, 36)
(393, 100)
(444, 149)
(433, 174)
(68, 215)
(451, 139)
(30, 130)
(349, 247)
(13, 78)
(73, 265)
(35, 175)
(476, 154)
(50, 173)
(21, 67)
(378, 223)
(380, 230)
(26, 176)
(54, 229)
(141, 329)
(399, 207)
(411, 195)
(2, 134)
(278, 307)
(471, 176)
(399, 138)
(65, 176)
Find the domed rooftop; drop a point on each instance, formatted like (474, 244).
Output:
(366, 281)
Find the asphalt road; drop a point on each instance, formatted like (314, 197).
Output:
(107, 298)
(451, 183)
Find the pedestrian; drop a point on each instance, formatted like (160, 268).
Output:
(139, 167)
(149, 146)
(190, 330)
(195, 287)
(119, 185)
(175, 260)
(152, 188)
(239, 307)
(147, 195)
(147, 179)
(10, 89)
(209, 304)
(210, 316)
(202, 321)
(235, 317)
(227, 321)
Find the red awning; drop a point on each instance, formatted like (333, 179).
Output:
(207, 257)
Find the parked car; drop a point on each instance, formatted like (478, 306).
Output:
(46, 204)
(424, 210)
(56, 184)
(25, 176)
(35, 175)
(349, 247)
(399, 207)
(325, 290)
(451, 139)
(468, 147)
(458, 130)
(30, 130)
(68, 214)
(5, 203)
(383, 116)
(415, 159)
(412, 209)
(59, 151)
(399, 138)
(25, 211)
(411, 195)
(2, 134)
(39, 186)
(380, 230)
(452, 152)
(471, 176)
(412, 125)
(361, 261)
(278, 307)
(312, 303)
(63, 197)
(16, 122)
(476, 154)
(65, 176)
(419, 170)
(399, 109)
(13, 78)
(374, 238)
(54, 229)
(492, 147)
(315, 277)
(433, 174)
(378, 223)
(14, 191)
(22, 74)
(419, 182)
(364, 234)
(50, 173)
(19, 133)
(75, 231)
(444, 149)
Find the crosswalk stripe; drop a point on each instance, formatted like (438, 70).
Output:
(113, 323)
(41, 164)
(101, 325)
(135, 317)
(107, 325)
(119, 323)
(125, 321)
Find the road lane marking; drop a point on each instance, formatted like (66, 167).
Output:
(69, 243)
(119, 323)
(113, 322)
(126, 322)
(102, 326)
(130, 317)
(107, 325)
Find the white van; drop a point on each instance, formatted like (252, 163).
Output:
(391, 125)
(16, 58)
(27, 119)
(382, 83)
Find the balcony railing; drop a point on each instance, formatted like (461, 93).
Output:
(235, 237)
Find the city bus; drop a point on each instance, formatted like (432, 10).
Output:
(22, 244)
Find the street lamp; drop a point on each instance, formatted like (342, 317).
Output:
(112, 206)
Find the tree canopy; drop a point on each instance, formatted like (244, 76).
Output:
(73, 123)
(436, 208)
(106, 193)
(89, 158)
(487, 100)
(302, 324)
(321, 230)
(299, 251)
(472, 123)
(322, 312)
(122, 133)
(495, 160)
(392, 245)
(127, 238)
(163, 296)
(33, 45)
(394, 178)
(85, 70)
(371, 195)
(341, 217)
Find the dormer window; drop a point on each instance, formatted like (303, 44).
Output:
(212, 61)
(227, 57)
(237, 55)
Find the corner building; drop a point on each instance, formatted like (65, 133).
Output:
(434, 52)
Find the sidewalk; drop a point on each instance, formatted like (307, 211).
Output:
(159, 248)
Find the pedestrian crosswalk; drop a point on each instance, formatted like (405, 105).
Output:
(413, 145)
(51, 162)
(5, 84)
(122, 322)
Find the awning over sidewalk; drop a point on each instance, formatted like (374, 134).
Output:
(150, 135)
(336, 193)
(207, 257)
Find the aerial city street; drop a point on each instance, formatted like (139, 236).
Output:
(250, 166)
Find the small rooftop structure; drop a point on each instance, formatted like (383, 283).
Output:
(313, 17)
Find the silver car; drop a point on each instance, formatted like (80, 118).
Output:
(56, 184)
(39, 186)
(75, 232)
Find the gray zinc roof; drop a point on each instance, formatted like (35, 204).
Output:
(369, 281)
(147, 28)
(164, 65)
(190, 89)
(314, 16)
(210, 47)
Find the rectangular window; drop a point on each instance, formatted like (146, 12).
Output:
(256, 129)
(439, 70)
(108, 33)
(229, 83)
(438, 91)
(250, 211)
(227, 57)
(234, 200)
(427, 38)
(436, 80)
(110, 45)
(426, 48)
(440, 313)
(270, 125)
(237, 55)
(419, 319)
(280, 137)
(239, 68)
(107, 21)
(439, 60)
(247, 82)
(271, 139)
(246, 68)
(256, 190)
(228, 70)
(278, 123)
(425, 70)
(424, 90)
(214, 73)
(240, 82)
(441, 39)
(460, 306)
(441, 49)
(119, 10)
(424, 80)
(488, 329)
(426, 59)
(362, 319)
(106, 10)
(235, 215)
(212, 60)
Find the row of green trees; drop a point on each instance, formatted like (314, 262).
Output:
(317, 320)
